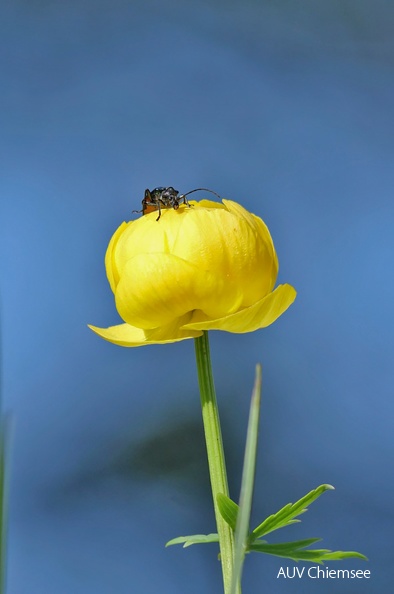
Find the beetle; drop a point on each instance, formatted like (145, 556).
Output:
(166, 198)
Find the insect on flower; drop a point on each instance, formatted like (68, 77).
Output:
(166, 198)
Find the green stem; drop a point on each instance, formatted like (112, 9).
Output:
(216, 461)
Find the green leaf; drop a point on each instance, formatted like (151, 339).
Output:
(228, 509)
(284, 547)
(339, 555)
(285, 516)
(187, 541)
(296, 551)
(247, 484)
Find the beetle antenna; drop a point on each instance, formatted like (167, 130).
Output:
(199, 190)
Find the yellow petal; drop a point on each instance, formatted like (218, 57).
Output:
(110, 266)
(157, 289)
(230, 246)
(261, 314)
(129, 336)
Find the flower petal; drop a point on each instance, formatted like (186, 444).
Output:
(261, 314)
(231, 246)
(112, 273)
(129, 336)
(157, 289)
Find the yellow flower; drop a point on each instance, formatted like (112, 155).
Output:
(208, 267)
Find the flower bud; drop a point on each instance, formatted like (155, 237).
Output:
(207, 266)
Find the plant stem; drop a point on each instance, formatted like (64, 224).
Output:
(216, 461)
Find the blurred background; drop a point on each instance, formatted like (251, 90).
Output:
(286, 107)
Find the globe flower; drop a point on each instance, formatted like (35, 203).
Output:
(212, 266)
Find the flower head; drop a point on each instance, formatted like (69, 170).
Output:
(212, 266)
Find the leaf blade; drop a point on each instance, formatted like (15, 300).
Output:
(188, 541)
(297, 551)
(247, 484)
(285, 516)
(228, 509)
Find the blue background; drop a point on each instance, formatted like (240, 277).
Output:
(286, 107)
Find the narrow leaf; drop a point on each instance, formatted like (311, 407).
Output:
(296, 551)
(283, 546)
(284, 517)
(187, 541)
(339, 555)
(228, 509)
(247, 484)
